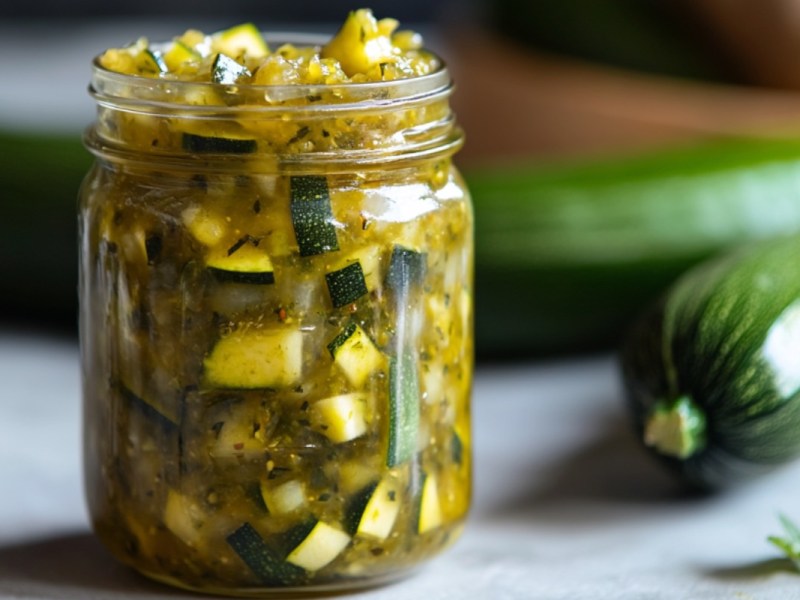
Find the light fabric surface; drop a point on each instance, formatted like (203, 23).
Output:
(566, 506)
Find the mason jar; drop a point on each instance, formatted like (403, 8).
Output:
(276, 330)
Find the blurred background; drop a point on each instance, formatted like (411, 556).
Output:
(611, 144)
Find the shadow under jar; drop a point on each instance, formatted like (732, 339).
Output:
(276, 330)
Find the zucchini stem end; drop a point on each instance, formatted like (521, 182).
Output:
(676, 428)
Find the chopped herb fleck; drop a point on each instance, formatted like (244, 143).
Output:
(301, 133)
(239, 243)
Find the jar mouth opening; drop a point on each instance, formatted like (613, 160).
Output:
(110, 85)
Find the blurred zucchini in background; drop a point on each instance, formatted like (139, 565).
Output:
(567, 256)
(40, 177)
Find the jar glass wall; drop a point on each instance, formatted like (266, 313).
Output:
(276, 331)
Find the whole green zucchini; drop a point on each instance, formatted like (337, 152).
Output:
(713, 371)
(566, 255)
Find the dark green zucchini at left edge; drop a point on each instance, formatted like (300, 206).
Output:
(713, 371)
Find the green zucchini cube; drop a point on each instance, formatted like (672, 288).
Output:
(255, 358)
(239, 40)
(356, 355)
(265, 562)
(346, 285)
(320, 547)
(378, 517)
(430, 509)
(244, 263)
(407, 269)
(312, 215)
(227, 71)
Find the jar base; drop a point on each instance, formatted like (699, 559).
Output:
(330, 589)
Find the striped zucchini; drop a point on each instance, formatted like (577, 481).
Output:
(713, 372)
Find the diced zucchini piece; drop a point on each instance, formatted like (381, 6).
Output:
(346, 285)
(404, 401)
(341, 418)
(197, 41)
(236, 438)
(244, 262)
(356, 354)
(183, 517)
(356, 504)
(202, 144)
(430, 510)
(227, 71)
(380, 512)
(179, 54)
(284, 498)
(262, 560)
(256, 358)
(294, 536)
(358, 473)
(369, 258)
(241, 40)
(312, 216)
(123, 60)
(205, 227)
(407, 269)
(136, 59)
(362, 43)
(320, 548)
(151, 61)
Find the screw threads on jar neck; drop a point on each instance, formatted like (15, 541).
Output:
(296, 126)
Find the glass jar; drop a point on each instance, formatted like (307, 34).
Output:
(276, 330)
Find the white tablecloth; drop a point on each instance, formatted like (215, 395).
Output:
(566, 506)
